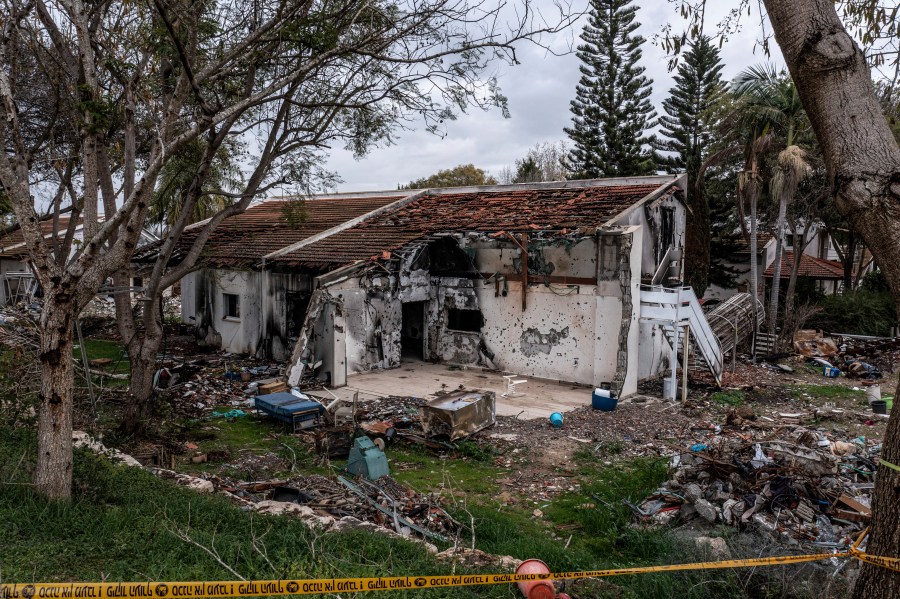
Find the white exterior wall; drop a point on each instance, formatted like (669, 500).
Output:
(262, 326)
(567, 332)
(552, 339)
(202, 305)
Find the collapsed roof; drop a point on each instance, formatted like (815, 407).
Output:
(342, 229)
(245, 239)
(557, 209)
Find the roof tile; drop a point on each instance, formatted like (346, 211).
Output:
(545, 209)
(810, 266)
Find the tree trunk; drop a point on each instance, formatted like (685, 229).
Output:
(142, 351)
(863, 163)
(795, 269)
(53, 474)
(776, 279)
(752, 192)
(143, 368)
(696, 243)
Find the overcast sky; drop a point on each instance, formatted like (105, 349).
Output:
(539, 91)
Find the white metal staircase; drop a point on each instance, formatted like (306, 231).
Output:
(673, 308)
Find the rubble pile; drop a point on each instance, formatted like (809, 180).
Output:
(638, 427)
(383, 502)
(854, 356)
(197, 386)
(797, 483)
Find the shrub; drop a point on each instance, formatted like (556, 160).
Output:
(862, 312)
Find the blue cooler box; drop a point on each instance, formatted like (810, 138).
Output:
(299, 412)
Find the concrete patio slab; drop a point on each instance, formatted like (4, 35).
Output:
(538, 399)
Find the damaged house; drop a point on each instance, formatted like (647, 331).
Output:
(562, 281)
(235, 299)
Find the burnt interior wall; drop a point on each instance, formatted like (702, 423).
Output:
(663, 221)
(287, 298)
(453, 346)
(568, 332)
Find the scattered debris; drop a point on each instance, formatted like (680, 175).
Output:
(799, 483)
(459, 415)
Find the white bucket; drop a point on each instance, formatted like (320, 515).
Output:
(873, 392)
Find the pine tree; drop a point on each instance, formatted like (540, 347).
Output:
(611, 111)
(687, 133)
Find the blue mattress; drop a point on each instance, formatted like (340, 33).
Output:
(287, 407)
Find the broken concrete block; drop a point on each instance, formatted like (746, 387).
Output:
(687, 511)
(716, 546)
(304, 513)
(82, 439)
(693, 492)
(706, 510)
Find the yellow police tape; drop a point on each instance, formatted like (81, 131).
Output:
(256, 588)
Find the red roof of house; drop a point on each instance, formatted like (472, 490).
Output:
(512, 210)
(12, 243)
(810, 266)
(244, 239)
(741, 245)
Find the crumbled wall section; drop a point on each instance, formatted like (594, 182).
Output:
(625, 242)
(305, 346)
(533, 342)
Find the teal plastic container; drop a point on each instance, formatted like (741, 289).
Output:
(556, 419)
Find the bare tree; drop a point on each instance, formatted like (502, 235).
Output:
(144, 81)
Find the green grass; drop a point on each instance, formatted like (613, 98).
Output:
(426, 471)
(98, 348)
(579, 532)
(122, 525)
(247, 434)
(732, 397)
(827, 392)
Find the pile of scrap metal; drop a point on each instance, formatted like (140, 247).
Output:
(436, 424)
(383, 502)
(803, 485)
(855, 356)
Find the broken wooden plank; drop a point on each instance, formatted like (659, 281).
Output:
(854, 505)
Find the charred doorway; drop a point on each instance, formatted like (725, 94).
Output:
(412, 331)
(296, 303)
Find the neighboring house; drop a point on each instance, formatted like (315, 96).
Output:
(17, 281)
(738, 262)
(824, 275)
(819, 264)
(372, 280)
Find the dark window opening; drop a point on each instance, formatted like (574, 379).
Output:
(231, 305)
(447, 259)
(469, 321)
(668, 228)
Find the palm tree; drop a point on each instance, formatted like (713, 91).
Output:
(771, 102)
(178, 174)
